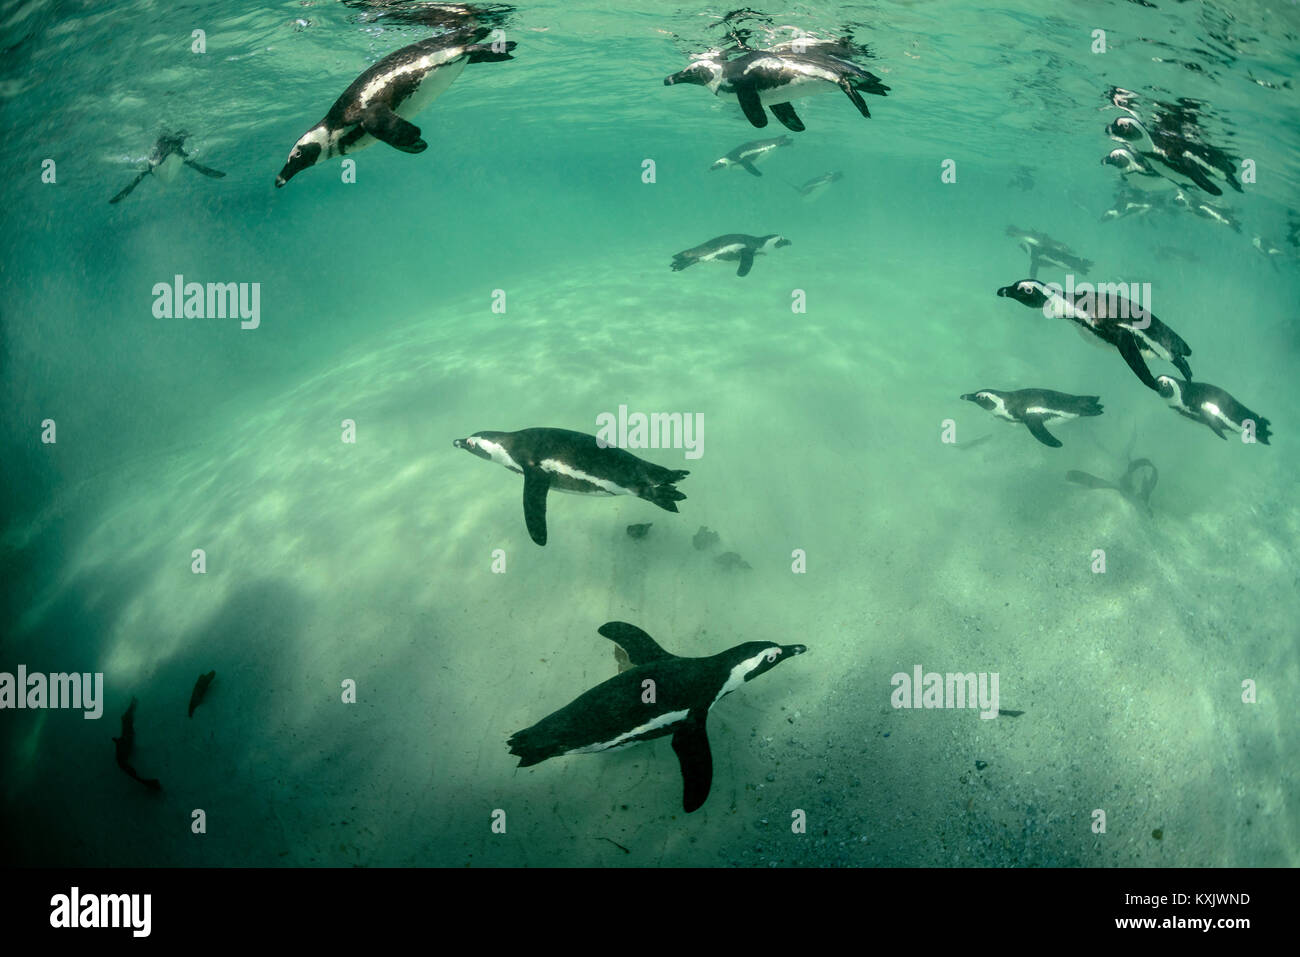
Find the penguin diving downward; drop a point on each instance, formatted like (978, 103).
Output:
(1135, 331)
(745, 156)
(818, 184)
(165, 161)
(766, 78)
(572, 462)
(378, 103)
(729, 248)
(1208, 404)
(1034, 407)
(125, 745)
(615, 714)
(1044, 249)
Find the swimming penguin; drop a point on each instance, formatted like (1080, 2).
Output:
(124, 745)
(1196, 161)
(1215, 214)
(1134, 331)
(615, 714)
(378, 103)
(729, 248)
(165, 160)
(763, 78)
(200, 689)
(1138, 172)
(745, 156)
(572, 462)
(817, 185)
(1034, 407)
(1202, 402)
(1044, 249)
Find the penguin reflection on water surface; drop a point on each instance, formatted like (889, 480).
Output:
(572, 462)
(616, 713)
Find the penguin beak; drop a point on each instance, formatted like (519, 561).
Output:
(1003, 292)
(794, 649)
(458, 444)
(969, 397)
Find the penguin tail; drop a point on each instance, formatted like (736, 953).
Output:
(529, 751)
(1094, 405)
(665, 496)
(1262, 430)
(483, 52)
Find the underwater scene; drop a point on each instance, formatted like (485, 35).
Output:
(594, 433)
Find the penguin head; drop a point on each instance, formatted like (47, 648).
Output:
(1031, 292)
(773, 241)
(751, 659)
(308, 151)
(721, 164)
(984, 399)
(1123, 160)
(1125, 128)
(481, 444)
(1169, 389)
(701, 73)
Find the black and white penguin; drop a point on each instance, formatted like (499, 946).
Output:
(818, 184)
(377, 105)
(1112, 318)
(615, 714)
(572, 462)
(764, 78)
(165, 160)
(1044, 249)
(732, 247)
(1138, 172)
(1215, 214)
(1194, 160)
(1208, 404)
(1034, 407)
(746, 155)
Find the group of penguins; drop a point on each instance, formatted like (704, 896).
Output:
(657, 693)
(1165, 160)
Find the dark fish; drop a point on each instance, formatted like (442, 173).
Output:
(126, 744)
(638, 531)
(200, 689)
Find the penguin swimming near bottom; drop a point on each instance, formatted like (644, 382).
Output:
(126, 744)
(165, 160)
(732, 247)
(747, 154)
(572, 462)
(377, 105)
(1135, 331)
(615, 714)
(1210, 405)
(1136, 484)
(1033, 407)
(768, 78)
(818, 184)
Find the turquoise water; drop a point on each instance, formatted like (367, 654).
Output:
(373, 561)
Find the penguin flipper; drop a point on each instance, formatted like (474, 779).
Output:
(205, 170)
(641, 648)
(751, 169)
(788, 117)
(855, 96)
(536, 484)
(1183, 367)
(1033, 262)
(1132, 353)
(746, 262)
(1036, 428)
(130, 186)
(383, 124)
(1197, 176)
(691, 742)
(752, 106)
